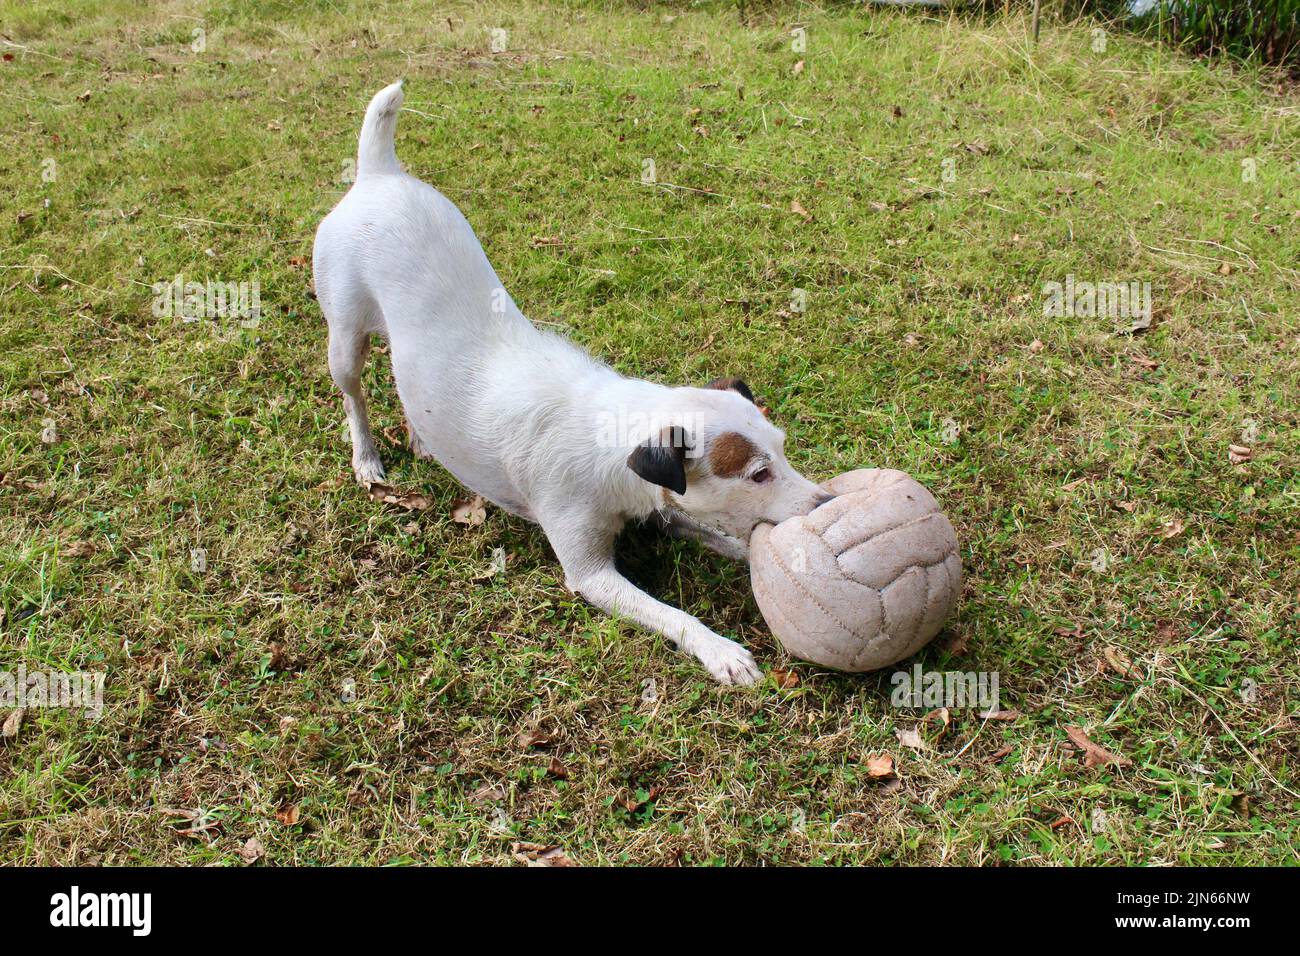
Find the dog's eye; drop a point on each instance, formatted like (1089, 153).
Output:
(761, 476)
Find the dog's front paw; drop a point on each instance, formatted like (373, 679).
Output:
(728, 662)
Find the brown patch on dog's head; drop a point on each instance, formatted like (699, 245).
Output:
(730, 452)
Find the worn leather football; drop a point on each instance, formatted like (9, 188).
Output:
(865, 580)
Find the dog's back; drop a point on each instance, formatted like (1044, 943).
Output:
(396, 258)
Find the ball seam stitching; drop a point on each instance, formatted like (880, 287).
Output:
(785, 572)
(875, 534)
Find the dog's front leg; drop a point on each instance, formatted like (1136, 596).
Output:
(681, 526)
(587, 556)
(611, 592)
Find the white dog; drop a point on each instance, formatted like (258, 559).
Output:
(527, 419)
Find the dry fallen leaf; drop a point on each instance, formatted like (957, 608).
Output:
(1171, 528)
(1001, 752)
(635, 803)
(942, 716)
(1094, 754)
(1166, 632)
(252, 851)
(957, 644)
(785, 679)
(1239, 454)
(1062, 820)
(880, 766)
(470, 512)
(200, 831)
(540, 854)
(288, 815)
(706, 344)
(909, 738)
(557, 769)
(1119, 663)
(488, 793)
(80, 549)
(409, 500)
(649, 690)
(797, 208)
(531, 737)
(12, 723)
(494, 567)
(797, 68)
(1000, 714)
(199, 824)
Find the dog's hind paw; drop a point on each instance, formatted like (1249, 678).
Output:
(368, 469)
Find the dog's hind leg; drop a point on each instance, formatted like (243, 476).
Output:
(348, 349)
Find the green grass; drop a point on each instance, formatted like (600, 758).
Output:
(225, 689)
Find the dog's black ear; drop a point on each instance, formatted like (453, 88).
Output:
(732, 384)
(661, 460)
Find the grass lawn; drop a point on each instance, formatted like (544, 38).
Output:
(345, 681)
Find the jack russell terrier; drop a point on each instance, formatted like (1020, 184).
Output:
(527, 419)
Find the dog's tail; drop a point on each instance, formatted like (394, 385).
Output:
(375, 152)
